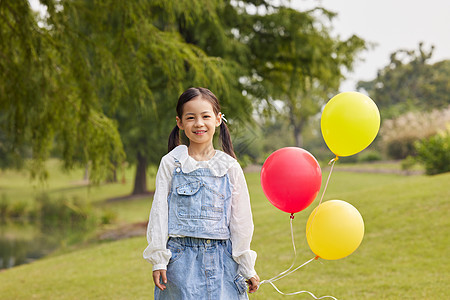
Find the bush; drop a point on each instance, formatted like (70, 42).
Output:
(108, 217)
(434, 153)
(399, 135)
(12, 209)
(18, 210)
(401, 149)
(369, 156)
(4, 207)
(74, 213)
(408, 163)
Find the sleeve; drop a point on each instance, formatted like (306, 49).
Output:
(157, 229)
(241, 223)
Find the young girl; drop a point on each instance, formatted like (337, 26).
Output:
(200, 225)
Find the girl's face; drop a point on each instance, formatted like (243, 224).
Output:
(199, 121)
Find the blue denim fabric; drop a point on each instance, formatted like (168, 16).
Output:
(199, 204)
(202, 269)
(201, 266)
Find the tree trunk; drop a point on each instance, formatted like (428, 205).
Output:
(140, 180)
(298, 136)
(298, 126)
(86, 172)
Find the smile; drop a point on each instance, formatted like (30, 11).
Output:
(200, 132)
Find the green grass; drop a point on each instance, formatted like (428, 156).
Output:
(17, 186)
(386, 166)
(403, 254)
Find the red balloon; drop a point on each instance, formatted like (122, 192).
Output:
(291, 179)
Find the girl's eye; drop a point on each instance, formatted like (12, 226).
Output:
(189, 118)
(206, 117)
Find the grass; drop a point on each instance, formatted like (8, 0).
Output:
(381, 166)
(403, 254)
(17, 186)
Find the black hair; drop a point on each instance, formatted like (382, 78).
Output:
(192, 93)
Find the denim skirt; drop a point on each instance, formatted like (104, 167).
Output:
(202, 269)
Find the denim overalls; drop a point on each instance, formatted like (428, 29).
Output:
(201, 266)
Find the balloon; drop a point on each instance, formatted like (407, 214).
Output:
(291, 179)
(334, 229)
(350, 122)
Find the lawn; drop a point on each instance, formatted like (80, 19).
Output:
(403, 254)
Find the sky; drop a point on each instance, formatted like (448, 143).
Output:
(392, 25)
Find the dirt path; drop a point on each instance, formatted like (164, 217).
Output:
(124, 231)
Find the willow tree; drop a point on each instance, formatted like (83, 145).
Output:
(40, 99)
(96, 73)
(298, 61)
(135, 58)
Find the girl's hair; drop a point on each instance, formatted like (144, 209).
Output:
(189, 94)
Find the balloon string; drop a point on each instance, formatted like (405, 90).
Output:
(299, 292)
(290, 271)
(332, 162)
(275, 278)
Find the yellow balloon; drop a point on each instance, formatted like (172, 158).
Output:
(334, 229)
(350, 122)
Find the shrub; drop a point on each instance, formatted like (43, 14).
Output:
(12, 209)
(434, 153)
(18, 210)
(4, 207)
(408, 163)
(399, 135)
(108, 217)
(74, 213)
(369, 156)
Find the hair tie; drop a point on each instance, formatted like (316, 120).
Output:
(223, 117)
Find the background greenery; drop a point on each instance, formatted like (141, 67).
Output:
(91, 86)
(402, 256)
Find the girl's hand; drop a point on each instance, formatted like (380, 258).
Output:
(253, 284)
(157, 275)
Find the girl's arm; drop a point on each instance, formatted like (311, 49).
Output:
(241, 223)
(157, 229)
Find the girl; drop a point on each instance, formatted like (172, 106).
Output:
(200, 225)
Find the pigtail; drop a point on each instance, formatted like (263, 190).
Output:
(174, 138)
(225, 139)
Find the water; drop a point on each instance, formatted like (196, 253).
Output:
(24, 243)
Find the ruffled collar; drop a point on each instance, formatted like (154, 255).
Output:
(218, 164)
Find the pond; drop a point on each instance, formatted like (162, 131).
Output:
(23, 243)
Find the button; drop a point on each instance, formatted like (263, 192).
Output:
(178, 170)
(208, 241)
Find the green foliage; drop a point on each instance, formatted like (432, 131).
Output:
(369, 156)
(410, 83)
(12, 210)
(108, 217)
(136, 58)
(408, 163)
(296, 60)
(72, 213)
(4, 207)
(66, 213)
(434, 153)
(399, 135)
(46, 94)
(96, 80)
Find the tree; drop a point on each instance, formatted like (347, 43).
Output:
(136, 58)
(38, 101)
(296, 60)
(410, 83)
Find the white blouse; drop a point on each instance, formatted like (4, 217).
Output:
(241, 222)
